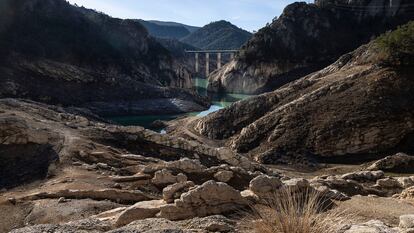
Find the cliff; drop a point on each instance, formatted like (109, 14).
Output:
(57, 53)
(304, 39)
(358, 108)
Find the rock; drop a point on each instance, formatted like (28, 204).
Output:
(116, 195)
(332, 193)
(327, 34)
(406, 221)
(364, 176)
(296, 184)
(174, 191)
(134, 178)
(207, 199)
(372, 226)
(264, 184)
(103, 166)
(141, 210)
(186, 165)
(223, 176)
(165, 177)
(12, 200)
(153, 82)
(407, 194)
(62, 200)
(270, 127)
(401, 163)
(388, 183)
(405, 182)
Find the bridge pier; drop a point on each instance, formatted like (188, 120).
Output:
(207, 64)
(218, 60)
(197, 65)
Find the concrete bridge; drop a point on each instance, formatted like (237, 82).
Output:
(207, 54)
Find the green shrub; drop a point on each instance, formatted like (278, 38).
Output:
(397, 47)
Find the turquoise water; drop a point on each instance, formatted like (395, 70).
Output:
(219, 101)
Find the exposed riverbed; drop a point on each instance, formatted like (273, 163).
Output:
(219, 101)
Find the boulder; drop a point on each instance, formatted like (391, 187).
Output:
(141, 210)
(406, 221)
(174, 191)
(166, 177)
(265, 184)
(406, 182)
(296, 184)
(207, 199)
(407, 194)
(223, 176)
(388, 183)
(372, 226)
(364, 176)
(401, 163)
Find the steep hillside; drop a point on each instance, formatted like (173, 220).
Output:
(165, 23)
(305, 38)
(358, 108)
(167, 31)
(61, 54)
(218, 35)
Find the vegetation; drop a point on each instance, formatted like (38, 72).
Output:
(290, 212)
(218, 35)
(165, 31)
(397, 47)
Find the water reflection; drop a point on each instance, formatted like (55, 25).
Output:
(219, 101)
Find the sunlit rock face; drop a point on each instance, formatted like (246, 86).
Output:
(304, 39)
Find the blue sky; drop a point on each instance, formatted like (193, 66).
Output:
(248, 14)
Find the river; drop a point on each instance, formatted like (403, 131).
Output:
(219, 101)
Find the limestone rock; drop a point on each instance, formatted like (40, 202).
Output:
(174, 191)
(364, 176)
(407, 194)
(264, 184)
(165, 177)
(207, 199)
(388, 183)
(396, 163)
(406, 221)
(296, 184)
(372, 226)
(141, 210)
(223, 176)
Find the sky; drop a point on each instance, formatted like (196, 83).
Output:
(247, 14)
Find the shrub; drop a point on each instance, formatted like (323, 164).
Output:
(290, 212)
(397, 47)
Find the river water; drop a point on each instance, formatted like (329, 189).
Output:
(219, 101)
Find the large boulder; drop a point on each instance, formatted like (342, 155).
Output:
(207, 199)
(401, 163)
(265, 184)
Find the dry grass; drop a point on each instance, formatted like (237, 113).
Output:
(290, 212)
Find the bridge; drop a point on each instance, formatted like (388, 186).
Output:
(207, 54)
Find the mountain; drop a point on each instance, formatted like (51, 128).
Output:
(163, 23)
(306, 38)
(58, 53)
(218, 35)
(356, 109)
(165, 30)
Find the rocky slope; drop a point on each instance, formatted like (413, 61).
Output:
(75, 174)
(355, 109)
(218, 35)
(165, 31)
(57, 53)
(304, 39)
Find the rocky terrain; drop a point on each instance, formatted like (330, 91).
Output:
(61, 54)
(304, 39)
(64, 172)
(356, 109)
